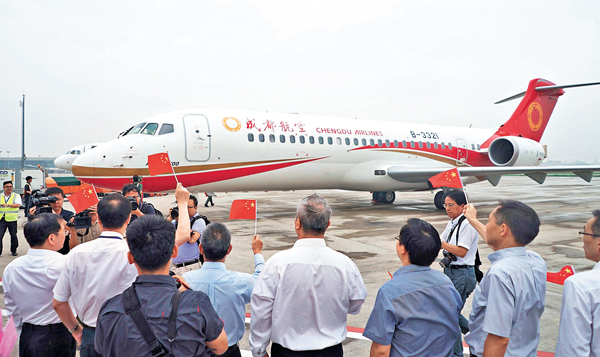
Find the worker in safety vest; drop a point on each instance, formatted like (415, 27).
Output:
(9, 214)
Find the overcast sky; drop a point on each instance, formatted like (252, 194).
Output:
(91, 69)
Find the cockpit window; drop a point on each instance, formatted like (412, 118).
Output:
(133, 130)
(165, 129)
(150, 129)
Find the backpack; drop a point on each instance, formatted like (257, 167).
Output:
(156, 212)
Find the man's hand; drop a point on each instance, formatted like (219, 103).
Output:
(77, 334)
(470, 212)
(137, 212)
(471, 215)
(32, 211)
(257, 244)
(184, 285)
(182, 194)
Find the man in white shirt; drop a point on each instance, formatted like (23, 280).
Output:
(302, 298)
(94, 272)
(459, 242)
(579, 331)
(28, 282)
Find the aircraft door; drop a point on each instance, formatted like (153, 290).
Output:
(462, 152)
(197, 137)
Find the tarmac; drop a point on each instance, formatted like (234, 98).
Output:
(365, 232)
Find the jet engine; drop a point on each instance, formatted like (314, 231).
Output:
(516, 151)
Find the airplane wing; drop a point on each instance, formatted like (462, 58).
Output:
(493, 173)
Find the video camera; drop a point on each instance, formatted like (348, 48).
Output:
(41, 201)
(81, 220)
(134, 204)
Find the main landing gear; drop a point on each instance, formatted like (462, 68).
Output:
(438, 200)
(384, 197)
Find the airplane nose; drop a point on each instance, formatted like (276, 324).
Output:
(63, 162)
(82, 164)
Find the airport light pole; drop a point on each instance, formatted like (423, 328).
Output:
(23, 133)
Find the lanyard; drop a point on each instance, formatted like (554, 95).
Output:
(108, 237)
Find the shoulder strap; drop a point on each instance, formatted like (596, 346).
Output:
(457, 228)
(171, 326)
(132, 306)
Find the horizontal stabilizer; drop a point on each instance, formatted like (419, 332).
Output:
(492, 173)
(547, 88)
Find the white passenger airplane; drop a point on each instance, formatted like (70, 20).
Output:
(65, 161)
(215, 150)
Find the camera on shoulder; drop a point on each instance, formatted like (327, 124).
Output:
(40, 200)
(81, 220)
(447, 259)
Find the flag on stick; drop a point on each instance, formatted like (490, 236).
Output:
(561, 276)
(84, 198)
(9, 338)
(450, 178)
(243, 209)
(159, 164)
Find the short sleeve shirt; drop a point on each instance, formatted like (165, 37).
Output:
(509, 302)
(197, 322)
(416, 300)
(190, 251)
(467, 238)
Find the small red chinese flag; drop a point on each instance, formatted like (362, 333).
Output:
(84, 198)
(450, 178)
(159, 164)
(243, 209)
(561, 276)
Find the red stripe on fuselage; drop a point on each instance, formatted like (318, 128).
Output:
(165, 183)
(474, 158)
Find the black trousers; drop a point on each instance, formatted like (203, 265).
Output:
(12, 230)
(278, 350)
(47, 340)
(232, 351)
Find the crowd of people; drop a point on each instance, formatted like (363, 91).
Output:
(122, 294)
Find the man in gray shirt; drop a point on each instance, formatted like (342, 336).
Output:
(508, 303)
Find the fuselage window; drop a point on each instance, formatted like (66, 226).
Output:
(472, 146)
(450, 146)
(420, 144)
(395, 143)
(435, 144)
(321, 141)
(272, 138)
(330, 140)
(250, 137)
(372, 142)
(443, 145)
(338, 141)
(347, 141)
(282, 138)
(134, 129)
(379, 143)
(412, 144)
(387, 143)
(150, 129)
(292, 139)
(364, 142)
(261, 138)
(403, 143)
(166, 129)
(78, 152)
(302, 140)
(311, 139)
(478, 147)
(428, 145)
(356, 141)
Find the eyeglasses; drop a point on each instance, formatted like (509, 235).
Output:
(8, 186)
(446, 205)
(397, 238)
(192, 206)
(581, 234)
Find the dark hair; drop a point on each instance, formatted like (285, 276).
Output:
(314, 214)
(421, 240)
(40, 227)
(28, 178)
(113, 211)
(193, 198)
(596, 224)
(136, 178)
(55, 191)
(6, 183)
(151, 240)
(457, 196)
(522, 220)
(215, 241)
(130, 187)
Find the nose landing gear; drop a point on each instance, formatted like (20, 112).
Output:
(384, 197)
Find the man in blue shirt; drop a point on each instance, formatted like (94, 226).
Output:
(189, 254)
(509, 301)
(228, 291)
(579, 331)
(416, 313)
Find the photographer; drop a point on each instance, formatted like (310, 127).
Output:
(57, 207)
(138, 207)
(93, 232)
(459, 242)
(189, 257)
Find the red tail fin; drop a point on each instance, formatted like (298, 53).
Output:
(533, 113)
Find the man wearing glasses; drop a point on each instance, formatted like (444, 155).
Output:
(9, 214)
(579, 331)
(189, 257)
(141, 208)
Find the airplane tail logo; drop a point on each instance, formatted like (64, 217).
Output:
(535, 116)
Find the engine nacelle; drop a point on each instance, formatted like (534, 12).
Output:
(516, 151)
